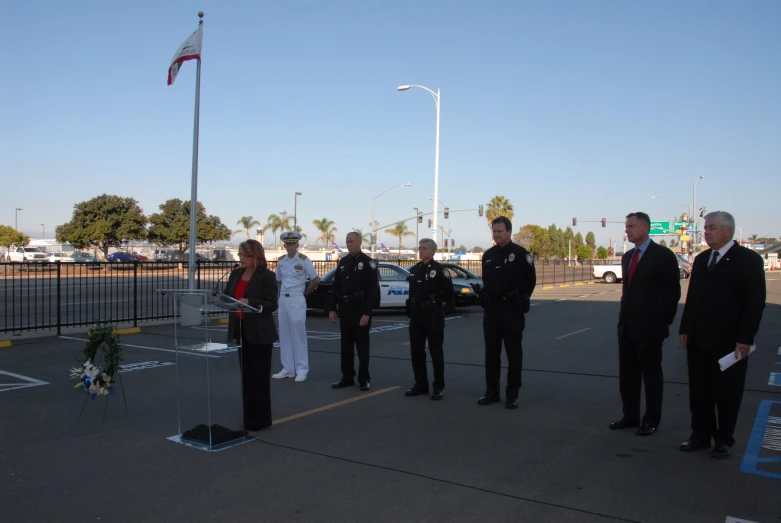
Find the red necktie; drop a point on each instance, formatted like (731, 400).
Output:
(633, 264)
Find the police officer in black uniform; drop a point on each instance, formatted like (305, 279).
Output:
(509, 277)
(355, 293)
(430, 296)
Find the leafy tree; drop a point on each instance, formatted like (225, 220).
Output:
(577, 241)
(611, 251)
(602, 253)
(754, 238)
(663, 243)
(247, 223)
(461, 248)
(326, 229)
(524, 237)
(557, 246)
(585, 252)
(103, 222)
(171, 226)
(400, 231)
(477, 249)
(498, 206)
(673, 243)
(9, 235)
(591, 241)
(541, 245)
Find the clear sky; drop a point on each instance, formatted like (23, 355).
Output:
(568, 108)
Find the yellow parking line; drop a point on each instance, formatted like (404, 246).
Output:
(565, 285)
(334, 405)
(222, 321)
(549, 287)
(581, 283)
(131, 330)
(4, 344)
(591, 283)
(573, 333)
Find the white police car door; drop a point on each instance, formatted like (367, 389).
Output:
(394, 287)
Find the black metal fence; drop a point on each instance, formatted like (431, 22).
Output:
(52, 296)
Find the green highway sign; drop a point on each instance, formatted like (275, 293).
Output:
(660, 229)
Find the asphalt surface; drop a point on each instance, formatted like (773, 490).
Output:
(346, 455)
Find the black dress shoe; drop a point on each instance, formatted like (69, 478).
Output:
(366, 386)
(694, 443)
(645, 430)
(623, 423)
(342, 383)
(720, 451)
(511, 403)
(488, 399)
(437, 395)
(416, 391)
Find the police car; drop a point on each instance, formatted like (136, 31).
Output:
(394, 289)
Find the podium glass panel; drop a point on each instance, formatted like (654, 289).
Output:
(209, 407)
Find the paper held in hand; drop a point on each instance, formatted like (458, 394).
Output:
(729, 360)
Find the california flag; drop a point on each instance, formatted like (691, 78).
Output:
(189, 50)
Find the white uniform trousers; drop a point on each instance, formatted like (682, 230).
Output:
(292, 335)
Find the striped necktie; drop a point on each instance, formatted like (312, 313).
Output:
(713, 261)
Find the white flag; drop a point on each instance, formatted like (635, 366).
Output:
(189, 50)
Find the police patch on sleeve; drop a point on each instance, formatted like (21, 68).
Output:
(530, 259)
(446, 274)
(512, 256)
(372, 265)
(432, 273)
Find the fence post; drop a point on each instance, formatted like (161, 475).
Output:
(59, 298)
(135, 293)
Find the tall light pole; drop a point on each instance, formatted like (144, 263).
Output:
(694, 210)
(43, 232)
(16, 223)
(417, 212)
(374, 221)
(295, 210)
(437, 100)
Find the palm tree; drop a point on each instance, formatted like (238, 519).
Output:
(247, 223)
(498, 206)
(400, 231)
(297, 228)
(274, 224)
(753, 239)
(326, 229)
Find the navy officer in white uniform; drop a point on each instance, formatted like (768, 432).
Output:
(292, 271)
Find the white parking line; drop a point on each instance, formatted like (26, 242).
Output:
(31, 382)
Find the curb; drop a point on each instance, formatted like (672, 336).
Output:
(131, 330)
(4, 344)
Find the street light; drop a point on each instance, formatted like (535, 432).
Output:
(696, 218)
(674, 201)
(437, 100)
(374, 221)
(295, 210)
(43, 232)
(417, 212)
(16, 223)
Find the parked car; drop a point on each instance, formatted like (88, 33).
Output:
(26, 254)
(173, 256)
(462, 276)
(83, 257)
(393, 289)
(60, 257)
(123, 257)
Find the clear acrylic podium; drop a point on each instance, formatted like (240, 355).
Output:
(209, 406)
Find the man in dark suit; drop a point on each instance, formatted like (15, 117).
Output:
(649, 301)
(723, 309)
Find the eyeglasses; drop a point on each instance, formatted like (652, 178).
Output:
(241, 255)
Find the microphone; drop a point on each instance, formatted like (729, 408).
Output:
(214, 289)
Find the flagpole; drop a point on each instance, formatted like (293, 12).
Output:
(194, 183)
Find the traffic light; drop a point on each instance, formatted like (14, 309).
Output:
(420, 217)
(604, 222)
(574, 222)
(447, 213)
(479, 210)
(453, 242)
(429, 223)
(445, 242)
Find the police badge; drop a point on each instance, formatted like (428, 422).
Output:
(512, 256)
(432, 273)
(530, 259)
(360, 266)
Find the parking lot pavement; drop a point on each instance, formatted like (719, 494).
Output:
(344, 455)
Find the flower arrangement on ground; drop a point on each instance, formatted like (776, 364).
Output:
(98, 380)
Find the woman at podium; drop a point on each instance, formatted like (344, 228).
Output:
(255, 333)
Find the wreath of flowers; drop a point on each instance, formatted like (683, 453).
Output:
(93, 379)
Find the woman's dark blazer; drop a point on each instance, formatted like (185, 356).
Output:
(261, 290)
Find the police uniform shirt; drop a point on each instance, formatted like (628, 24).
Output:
(356, 274)
(430, 279)
(508, 268)
(293, 272)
